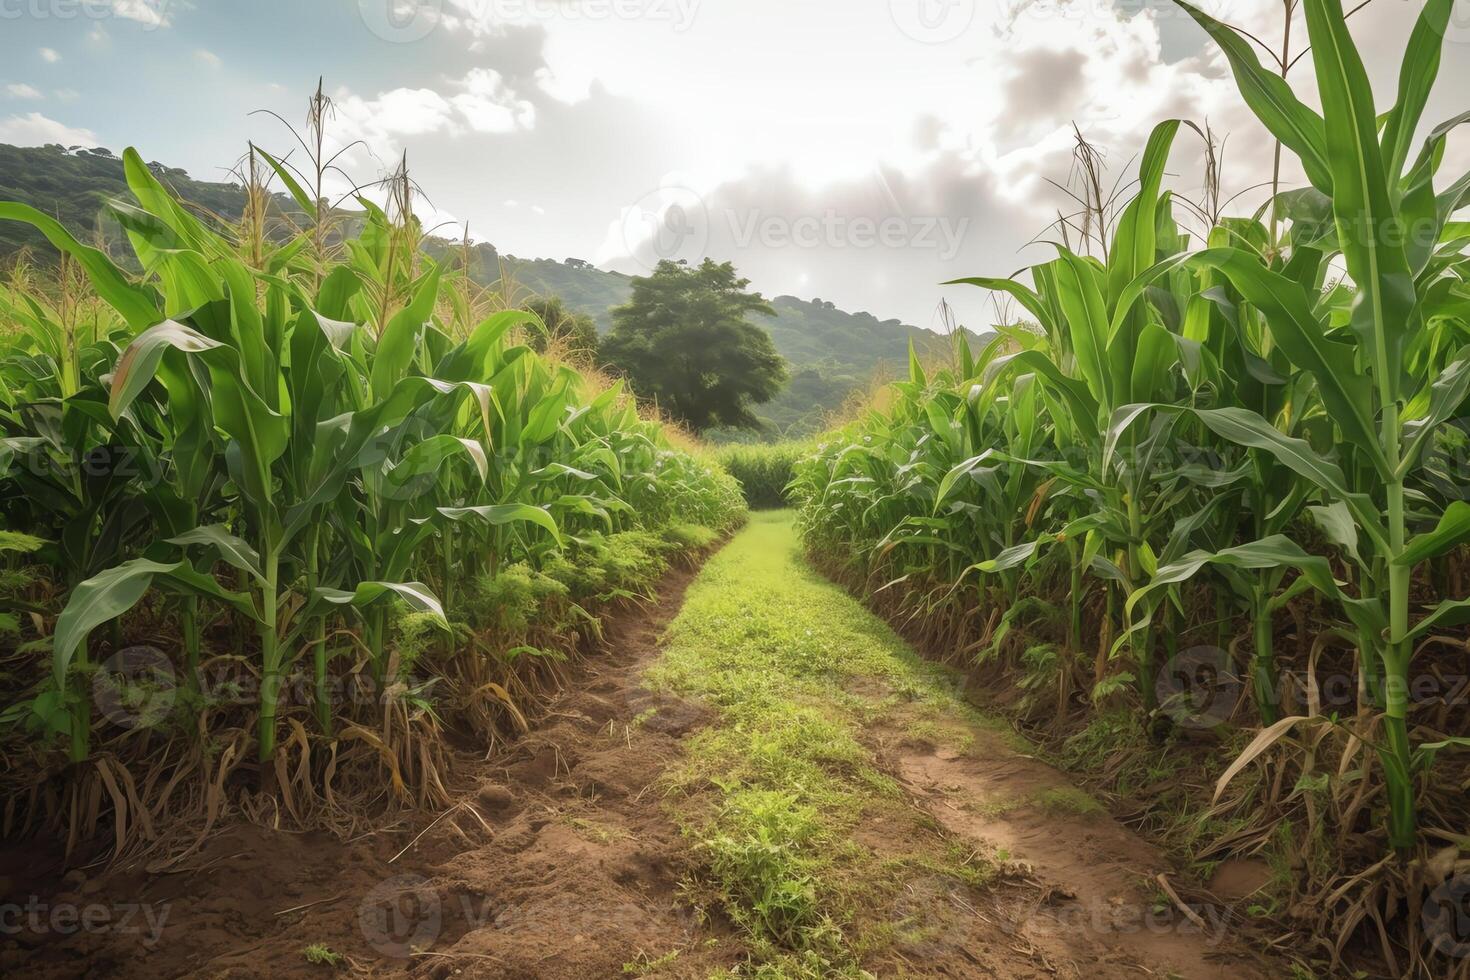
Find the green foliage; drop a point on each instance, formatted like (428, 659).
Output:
(1187, 419)
(567, 330)
(14, 578)
(18, 542)
(764, 470)
(632, 559)
(509, 601)
(1068, 800)
(761, 851)
(692, 537)
(303, 440)
(584, 287)
(414, 633)
(319, 954)
(834, 357)
(684, 341)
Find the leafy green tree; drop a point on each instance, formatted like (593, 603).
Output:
(684, 341)
(572, 330)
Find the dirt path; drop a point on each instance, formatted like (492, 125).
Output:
(1102, 906)
(946, 848)
(913, 837)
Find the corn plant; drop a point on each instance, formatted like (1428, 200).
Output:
(1389, 227)
(318, 441)
(1209, 417)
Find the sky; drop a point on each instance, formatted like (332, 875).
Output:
(857, 151)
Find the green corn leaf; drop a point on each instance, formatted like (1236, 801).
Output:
(1246, 428)
(498, 514)
(298, 193)
(1453, 529)
(109, 594)
(1424, 754)
(234, 550)
(951, 480)
(400, 337)
(429, 457)
(155, 199)
(916, 370)
(1338, 527)
(1347, 393)
(1383, 315)
(1277, 551)
(135, 304)
(1079, 398)
(1134, 249)
(542, 422)
(1446, 395)
(139, 362)
(417, 595)
(1272, 100)
(1416, 80)
(1447, 615)
(260, 435)
(1080, 296)
(552, 470)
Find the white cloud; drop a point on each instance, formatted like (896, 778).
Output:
(879, 242)
(563, 87)
(67, 94)
(483, 103)
(20, 90)
(822, 149)
(149, 13)
(399, 112)
(207, 58)
(50, 55)
(34, 129)
(1046, 85)
(488, 105)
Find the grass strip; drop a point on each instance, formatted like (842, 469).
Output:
(789, 810)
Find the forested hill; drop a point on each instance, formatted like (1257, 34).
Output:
(830, 351)
(72, 186)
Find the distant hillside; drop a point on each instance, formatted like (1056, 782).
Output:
(581, 285)
(831, 352)
(72, 186)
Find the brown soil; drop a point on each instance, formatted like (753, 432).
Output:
(559, 861)
(1102, 908)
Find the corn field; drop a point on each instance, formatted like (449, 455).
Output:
(764, 470)
(1252, 439)
(302, 527)
(319, 465)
